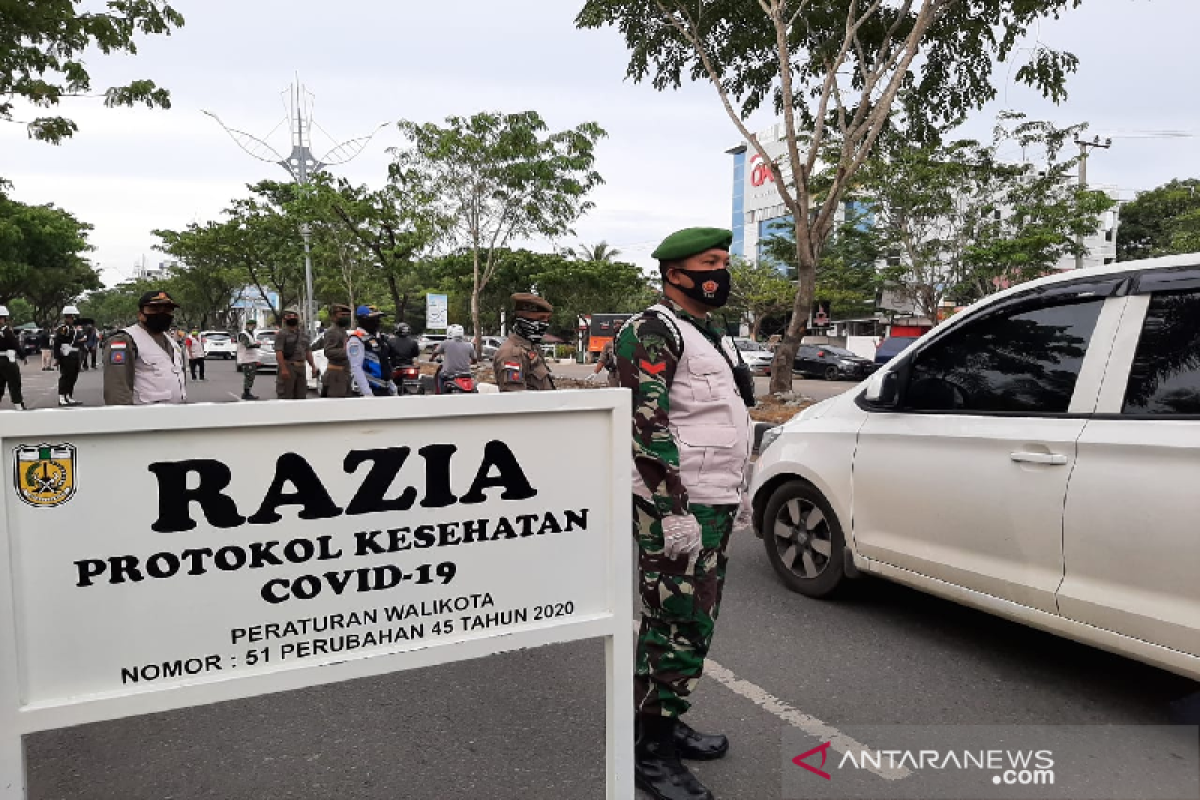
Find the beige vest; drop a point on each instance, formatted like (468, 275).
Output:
(157, 377)
(708, 419)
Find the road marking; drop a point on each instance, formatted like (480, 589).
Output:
(793, 716)
(798, 719)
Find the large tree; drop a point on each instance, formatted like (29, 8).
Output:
(1156, 223)
(500, 178)
(960, 221)
(834, 70)
(42, 259)
(42, 45)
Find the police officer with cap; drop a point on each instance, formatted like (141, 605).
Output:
(518, 363)
(336, 380)
(368, 355)
(69, 341)
(691, 448)
(143, 365)
(292, 351)
(10, 351)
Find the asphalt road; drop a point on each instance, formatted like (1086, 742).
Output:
(529, 725)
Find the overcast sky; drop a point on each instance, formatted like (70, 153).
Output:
(369, 61)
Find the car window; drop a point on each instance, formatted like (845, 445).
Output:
(1019, 360)
(1165, 377)
(838, 351)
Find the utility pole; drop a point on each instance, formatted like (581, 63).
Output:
(1084, 146)
(301, 165)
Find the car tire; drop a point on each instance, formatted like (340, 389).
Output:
(808, 553)
(832, 374)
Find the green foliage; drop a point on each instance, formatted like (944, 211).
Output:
(499, 177)
(42, 45)
(958, 221)
(759, 290)
(42, 257)
(1160, 222)
(834, 70)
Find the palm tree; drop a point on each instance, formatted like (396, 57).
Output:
(596, 252)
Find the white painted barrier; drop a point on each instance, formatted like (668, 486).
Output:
(165, 557)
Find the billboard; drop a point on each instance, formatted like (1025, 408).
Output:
(436, 311)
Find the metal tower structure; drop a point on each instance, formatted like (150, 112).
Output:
(300, 163)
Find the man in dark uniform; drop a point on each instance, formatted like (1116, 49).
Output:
(11, 349)
(336, 381)
(518, 363)
(292, 351)
(69, 341)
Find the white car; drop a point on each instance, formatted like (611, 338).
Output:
(218, 344)
(756, 355)
(428, 341)
(1036, 456)
(490, 345)
(266, 353)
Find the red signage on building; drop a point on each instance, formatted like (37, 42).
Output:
(761, 172)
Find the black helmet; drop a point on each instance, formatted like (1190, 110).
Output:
(403, 329)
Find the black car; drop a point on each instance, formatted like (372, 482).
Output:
(831, 363)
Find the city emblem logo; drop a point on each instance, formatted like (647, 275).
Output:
(44, 475)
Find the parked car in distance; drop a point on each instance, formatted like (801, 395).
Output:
(891, 347)
(1036, 456)
(490, 345)
(321, 362)
(266, 353)
(218, 344)
(831, 363)
(756, 355)
(428, 341)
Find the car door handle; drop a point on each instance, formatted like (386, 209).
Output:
(1026, 457)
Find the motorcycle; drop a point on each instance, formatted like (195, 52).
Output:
(408, 380)
(463, 383)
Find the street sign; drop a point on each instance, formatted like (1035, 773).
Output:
(162, 557)
(437, 314)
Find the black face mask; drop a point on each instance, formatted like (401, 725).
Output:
(710, 287)
(291, 323)
(342, 322)
(158, 323)
(531, 329)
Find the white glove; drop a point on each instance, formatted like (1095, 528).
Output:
(591, 377)
(65, 349)
(392, 390)
(11, 355)
(681, 536)
(745, 514)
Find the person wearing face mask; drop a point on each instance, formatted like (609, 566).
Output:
(368, 355)
(518, 363)
(691, 445)
(336, 380)
(143, 365)
(292, 351)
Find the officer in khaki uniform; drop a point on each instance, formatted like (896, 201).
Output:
(292, 352)
(336, 382)
(142, 363)
(518, 363)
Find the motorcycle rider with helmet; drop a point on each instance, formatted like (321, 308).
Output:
(457, 355)
(403, 350)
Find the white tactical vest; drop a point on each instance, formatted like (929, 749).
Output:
(708, 419)
(157, 376)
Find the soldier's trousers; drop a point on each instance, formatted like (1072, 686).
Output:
(336, 381)
(10, 378)
(679, 607)
(68, 373)
(293, 386)
(248, 373)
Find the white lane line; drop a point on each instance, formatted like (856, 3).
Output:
(793, 716)
(798, 719)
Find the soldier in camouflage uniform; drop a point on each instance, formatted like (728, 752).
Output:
(691, 445)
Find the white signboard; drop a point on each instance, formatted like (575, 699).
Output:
(225, 551)
(437, 311)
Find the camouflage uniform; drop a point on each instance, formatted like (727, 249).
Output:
(680, 599)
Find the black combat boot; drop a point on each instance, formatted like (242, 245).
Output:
(698, 746)
(656, 765)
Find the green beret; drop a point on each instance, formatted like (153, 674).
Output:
(690, 241)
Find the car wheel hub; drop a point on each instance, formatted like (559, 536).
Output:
(802, 538)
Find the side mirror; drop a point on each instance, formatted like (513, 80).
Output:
(883, 389)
